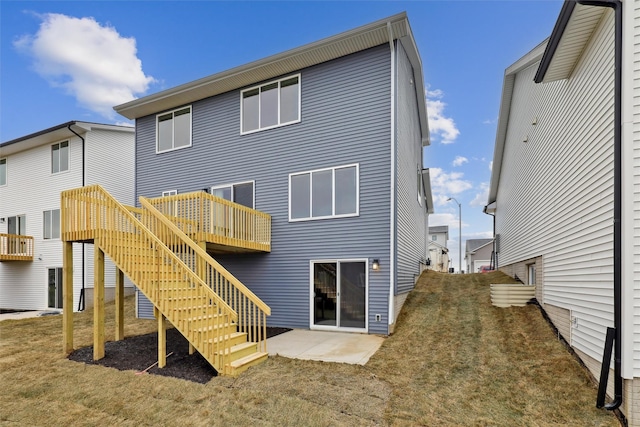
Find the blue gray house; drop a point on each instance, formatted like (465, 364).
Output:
(327, 139)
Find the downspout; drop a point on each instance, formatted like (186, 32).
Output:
(617, 205)
(81, 302)
(392, 219)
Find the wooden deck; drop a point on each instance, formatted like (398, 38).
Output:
(225, 227)
(15, 247)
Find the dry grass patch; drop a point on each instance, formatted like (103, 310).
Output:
(454, 360)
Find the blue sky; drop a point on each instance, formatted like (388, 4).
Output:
(62, 61)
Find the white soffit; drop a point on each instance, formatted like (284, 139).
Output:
(575, 37)
(343, 44)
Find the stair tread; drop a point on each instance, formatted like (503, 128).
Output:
(231, 336)
(248, 359)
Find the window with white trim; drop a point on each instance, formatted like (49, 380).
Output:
(51, 221)
(169, 193)
(173, 130)
(324, 193)
(3, 172)
(270, 105)
(60, 157)
(242, 193)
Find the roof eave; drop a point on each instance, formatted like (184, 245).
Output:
(570, 37)
(333, 47)
(53, 134)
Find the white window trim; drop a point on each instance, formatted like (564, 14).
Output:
(68, 157)
(253, 182)
(367, 265)
(260, 129)
(6, 171)
(44, 225)
(172, 127)
(333, 193)
(169, 193)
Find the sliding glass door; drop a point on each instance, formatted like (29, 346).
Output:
(339, 294)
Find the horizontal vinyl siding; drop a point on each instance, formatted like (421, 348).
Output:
(110, 162)
(555, 196)
(411, 216)
(31, 189)
(634, 79)
(345, 119)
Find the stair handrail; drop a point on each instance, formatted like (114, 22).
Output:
(205, 256)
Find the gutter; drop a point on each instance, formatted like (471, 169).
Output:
(614, 335)
(81, 301)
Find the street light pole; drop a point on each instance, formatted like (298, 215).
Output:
(460, 233)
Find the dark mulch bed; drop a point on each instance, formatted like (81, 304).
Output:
(138, 353)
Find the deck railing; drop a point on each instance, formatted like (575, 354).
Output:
(208, 218)
(15, 247)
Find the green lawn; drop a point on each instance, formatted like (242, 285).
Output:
(454, 360)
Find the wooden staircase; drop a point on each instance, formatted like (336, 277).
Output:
(218, 315)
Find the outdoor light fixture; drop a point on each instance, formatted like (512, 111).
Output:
(376, 264)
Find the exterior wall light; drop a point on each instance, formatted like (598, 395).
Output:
(375, 265)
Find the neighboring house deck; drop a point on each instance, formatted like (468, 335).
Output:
(438, 251)
(305, 204)
(553, 190)
(34, 169)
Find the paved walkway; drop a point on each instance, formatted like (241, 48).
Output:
(338, 347)
(28, 314)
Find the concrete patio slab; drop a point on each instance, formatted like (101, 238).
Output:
(340, 347)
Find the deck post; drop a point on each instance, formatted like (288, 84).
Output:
(67, 295)
(162, 340)
(119, 304)
(98, 303)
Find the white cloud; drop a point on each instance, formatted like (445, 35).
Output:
(125, 123)
(445, 185)
(459, 161)
(93, 63)
(481, 198)
(490, 121)
(439, 124)
(444, 219)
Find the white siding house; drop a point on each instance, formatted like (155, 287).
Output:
(552, 184)
(438, 251)
(34, 169)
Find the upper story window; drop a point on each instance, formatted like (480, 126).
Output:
(169, 193)
(60, 157)
(241, 193)
(17, 225)
(3, 172)
(324, 193)
(273, 104)
(173, 130)
(51, 220)
(434, 237)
